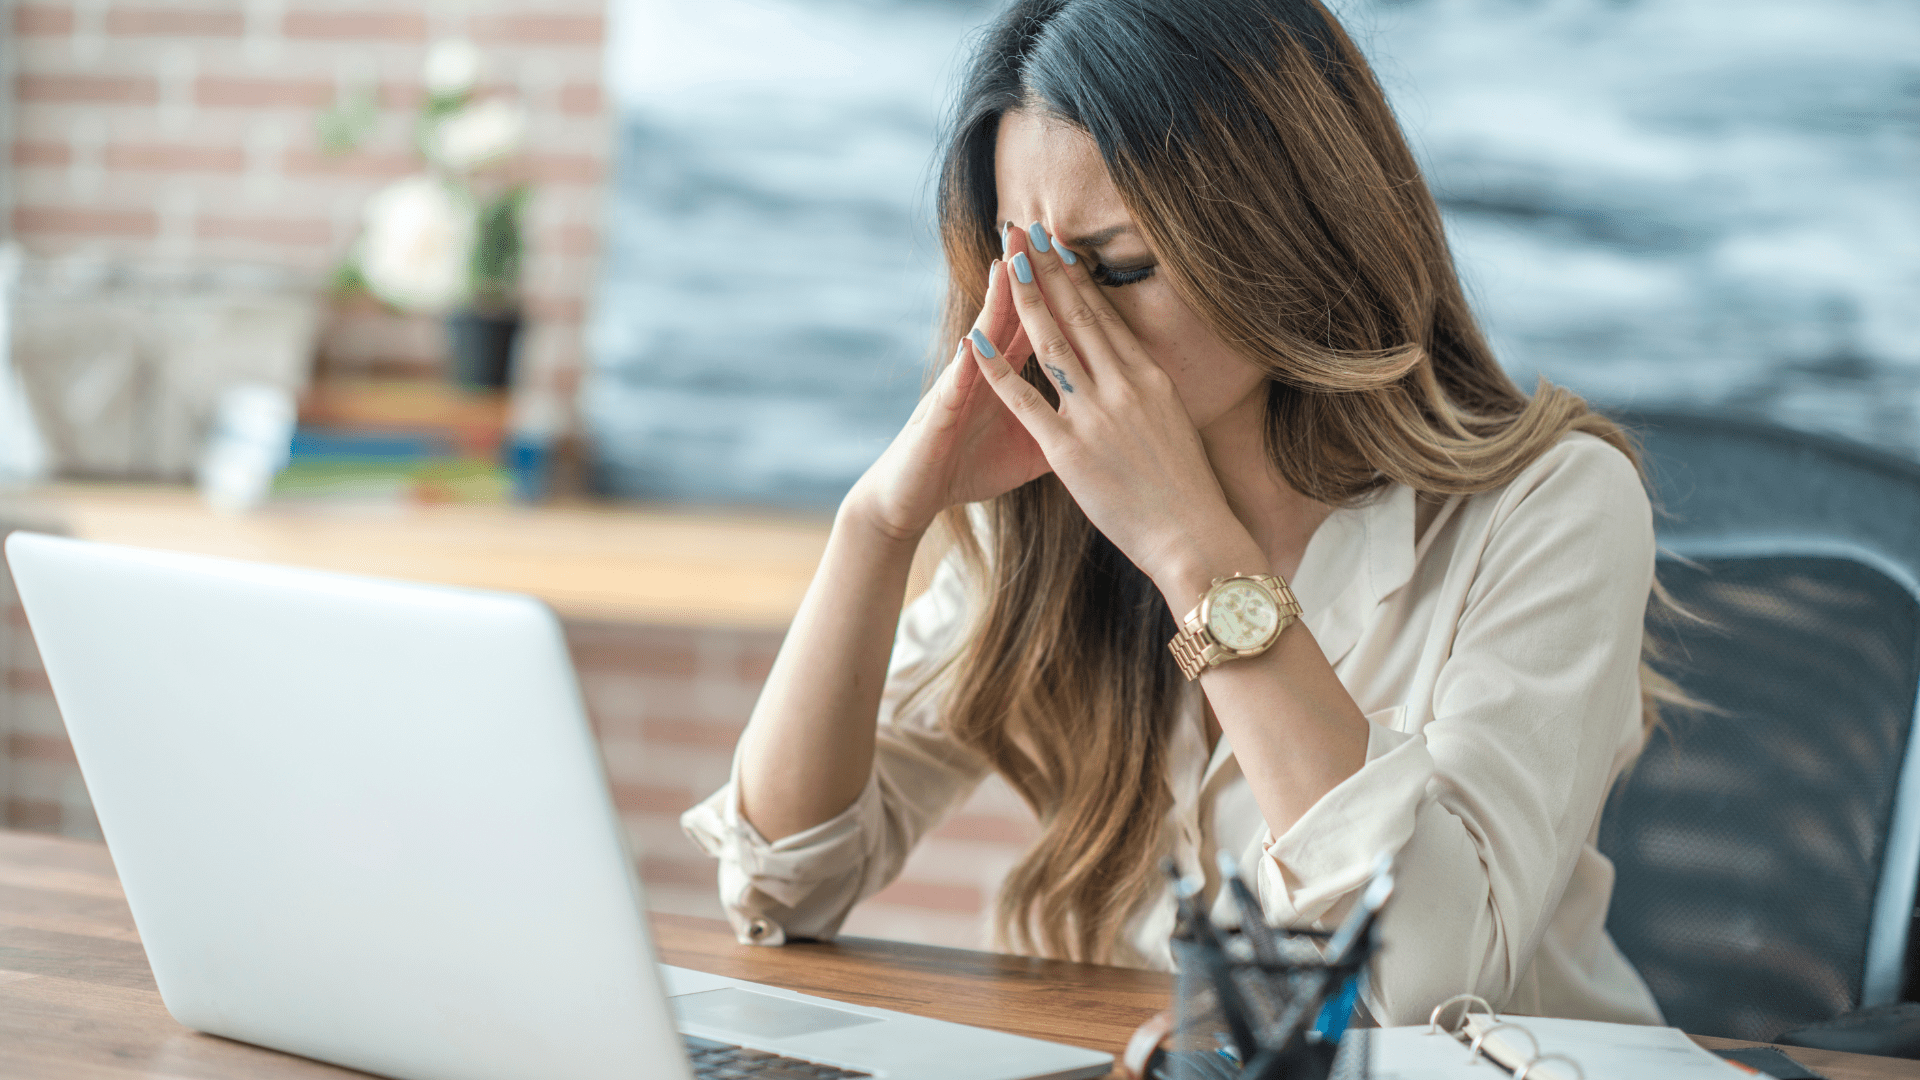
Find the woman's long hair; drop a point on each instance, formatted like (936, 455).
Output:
(1260, 159)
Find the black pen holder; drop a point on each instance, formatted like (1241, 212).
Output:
(1240, 1017)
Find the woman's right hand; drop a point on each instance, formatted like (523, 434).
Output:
(961, 444)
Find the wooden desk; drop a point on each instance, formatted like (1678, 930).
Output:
(77, 1000)
(618, 563)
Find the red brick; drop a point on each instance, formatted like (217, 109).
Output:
(651, 799)
(220, 91)
(28, 680)
(755, 663)
(175, 22)
(988, 828)
(608, 727)
(406, 97)
(356, 26)
(51, 20)
(577, 240)
(266, 230)
(358, 163)
(566, 168)
(582, 99)
(176, 157)
(28, 155)
(34, 814)
(675, 659)
(69, 219)
(658, 871)
(558, 309)
(40, 748)
(88, 89)
(700, 734)
(964, 899)
(541, 29)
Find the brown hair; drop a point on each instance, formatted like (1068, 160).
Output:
(1261, 161)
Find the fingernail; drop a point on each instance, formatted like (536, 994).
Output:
(1006, 238)
(1039, 237)
(1068, 257)
(980, 342)
(1021, 268)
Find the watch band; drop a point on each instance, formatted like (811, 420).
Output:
(1194, 647)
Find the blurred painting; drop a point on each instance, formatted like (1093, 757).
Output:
(772, 272)
(1702, 203)
(1694, 203)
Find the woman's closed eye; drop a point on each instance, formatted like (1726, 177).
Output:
(1114, 277)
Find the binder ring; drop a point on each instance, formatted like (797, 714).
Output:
(1433, 1018)
(1528, 1067)
(1473, 1051)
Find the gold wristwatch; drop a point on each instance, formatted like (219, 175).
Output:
(1240, 616)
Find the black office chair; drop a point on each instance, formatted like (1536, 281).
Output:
(1767, 852)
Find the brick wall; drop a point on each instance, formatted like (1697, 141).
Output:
(177, 134)
(668, 704)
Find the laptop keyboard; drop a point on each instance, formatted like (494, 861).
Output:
(725, 1061)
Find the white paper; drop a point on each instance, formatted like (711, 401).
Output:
(1603, 1051)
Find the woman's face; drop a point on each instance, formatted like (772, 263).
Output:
(1051, 172)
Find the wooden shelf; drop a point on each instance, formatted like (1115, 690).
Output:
(626, 563)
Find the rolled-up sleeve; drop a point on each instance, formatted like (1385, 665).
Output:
(1490, 794)
(804, 885)
(1325, 856)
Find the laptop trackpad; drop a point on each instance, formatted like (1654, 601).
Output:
(761, 1016)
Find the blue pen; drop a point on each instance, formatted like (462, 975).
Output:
(1337, 1013)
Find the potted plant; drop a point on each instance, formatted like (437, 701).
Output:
(447, 240)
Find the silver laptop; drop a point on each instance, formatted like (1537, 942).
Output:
(366, 822)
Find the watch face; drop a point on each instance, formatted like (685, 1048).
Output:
(1242, 616)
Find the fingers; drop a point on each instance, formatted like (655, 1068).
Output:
(1020, 396)
(1079, 301)
(942, 404)
(1059, 351)
(999, 321)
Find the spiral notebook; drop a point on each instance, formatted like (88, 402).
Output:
(1542, 1048)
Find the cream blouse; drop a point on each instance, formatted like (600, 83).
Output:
(1496, 658)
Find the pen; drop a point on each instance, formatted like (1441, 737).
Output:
(1253, 920)
(1212, 954)
(1379, 888)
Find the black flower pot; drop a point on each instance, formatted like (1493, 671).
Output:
(482, 348)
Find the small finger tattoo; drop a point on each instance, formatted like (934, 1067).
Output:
(1059, 377)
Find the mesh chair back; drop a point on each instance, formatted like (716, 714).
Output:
(1766, 851)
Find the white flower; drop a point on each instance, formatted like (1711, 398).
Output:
(417, 250)
(453, 67)
(480, 134)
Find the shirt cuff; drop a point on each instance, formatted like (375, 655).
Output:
(1329, 852)
(787, 868)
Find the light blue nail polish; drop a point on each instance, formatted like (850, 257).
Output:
(1021, 268)
(980, 342)
(1068, 257)
(1039, 237)
(1006, 239)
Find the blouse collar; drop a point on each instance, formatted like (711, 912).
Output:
(1359, 556)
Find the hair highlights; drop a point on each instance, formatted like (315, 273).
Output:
(1260, 159)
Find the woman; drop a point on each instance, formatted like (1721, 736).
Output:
(1222, 349)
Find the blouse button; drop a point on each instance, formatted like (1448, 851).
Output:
(759, 929)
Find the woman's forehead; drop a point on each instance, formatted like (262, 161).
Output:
(1050, 171)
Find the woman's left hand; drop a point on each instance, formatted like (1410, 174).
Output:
(1121, 440)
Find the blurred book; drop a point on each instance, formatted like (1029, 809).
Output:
(409, 441)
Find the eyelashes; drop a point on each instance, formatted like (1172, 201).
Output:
(1115, 277)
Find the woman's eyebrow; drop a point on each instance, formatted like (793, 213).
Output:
(1101, 238)
(1091, 240)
